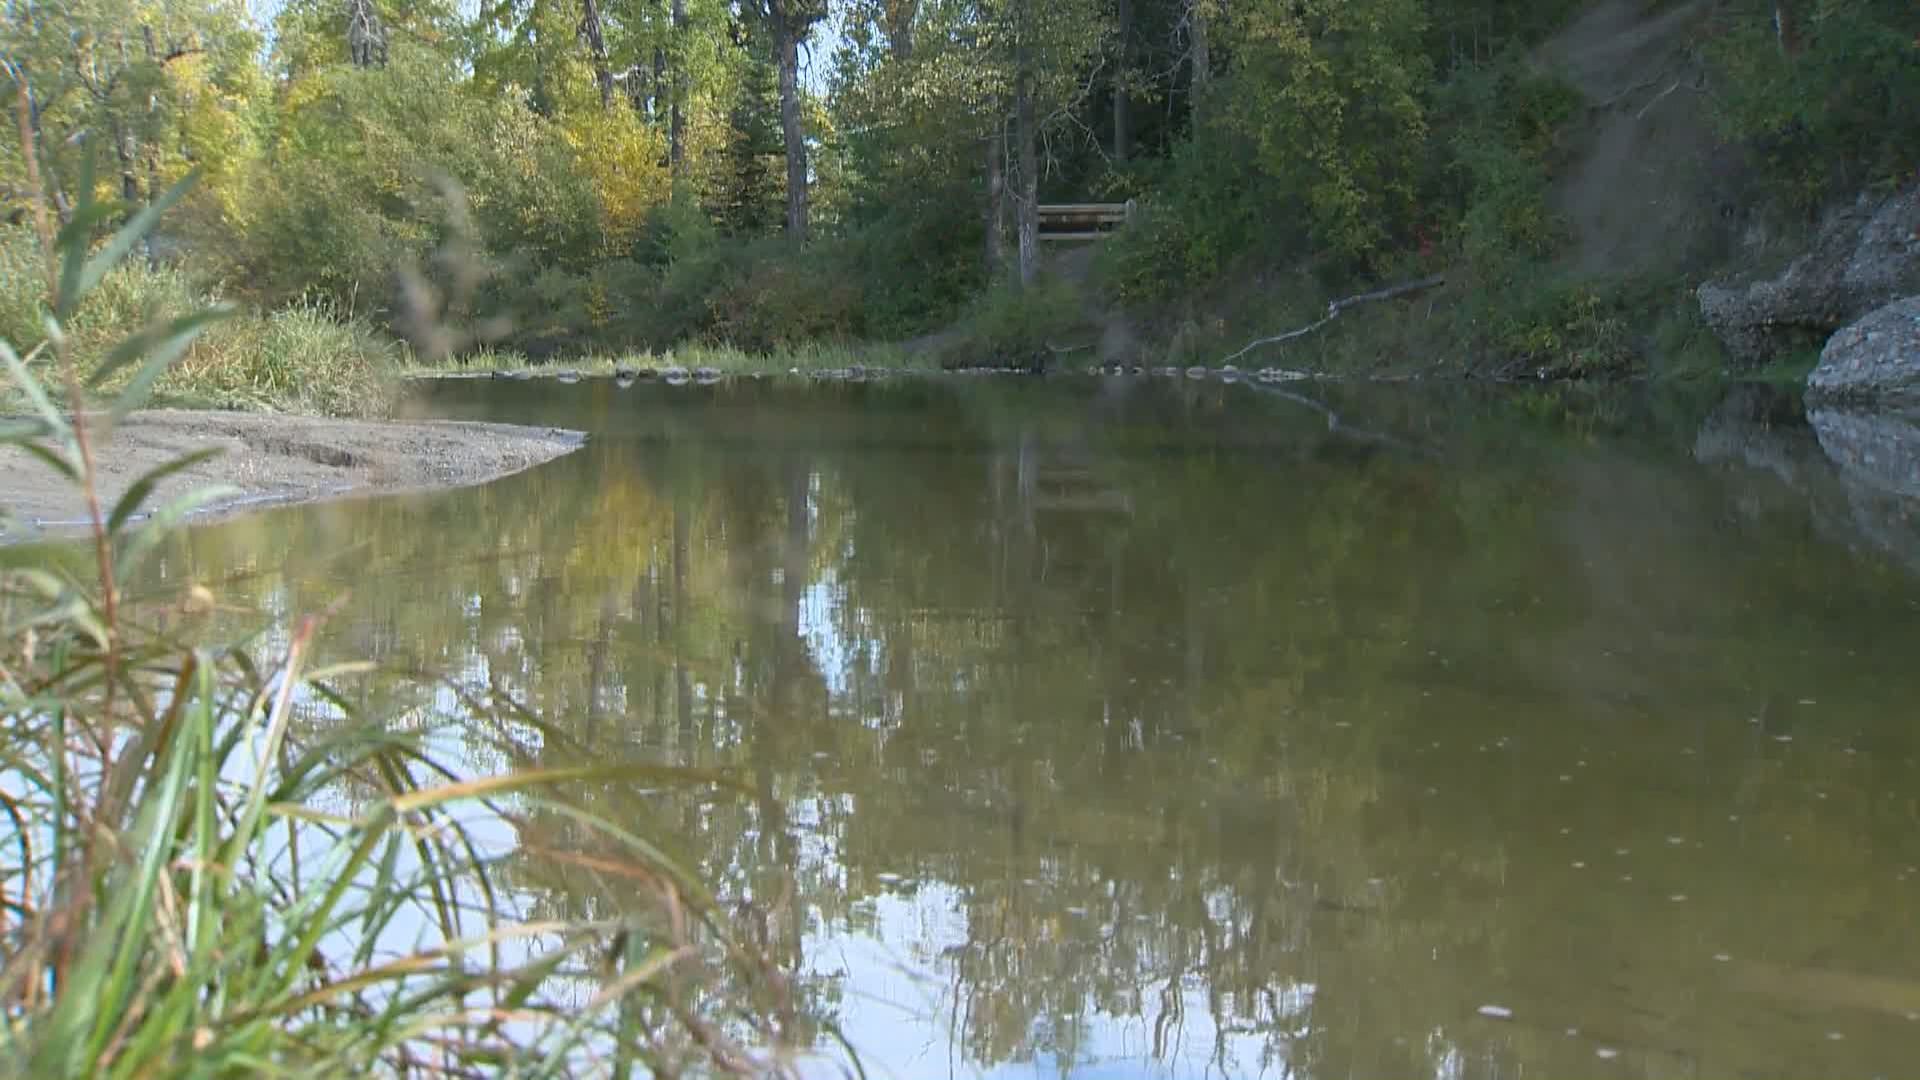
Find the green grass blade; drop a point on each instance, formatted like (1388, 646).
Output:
(53, 459)
(123, 241)
(155, 338)
(129, 503)
(143, 541)
(76, 236)
(152, 839)
(168, 347)
(36, 394)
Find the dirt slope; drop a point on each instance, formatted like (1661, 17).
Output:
(1645, 181)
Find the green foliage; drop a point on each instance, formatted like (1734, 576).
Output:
(1331, 96)
(218, 867)
(1011, 327)
(1203, 217)
(304, 357)
(1562, 329)
(1501, 122)
(1834, 108)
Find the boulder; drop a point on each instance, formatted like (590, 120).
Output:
(1862, 258)
(1876, 360)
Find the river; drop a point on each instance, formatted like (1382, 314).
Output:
(1115, 728)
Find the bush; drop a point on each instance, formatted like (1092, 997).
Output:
(1566, 330)
(1839, 112)
(1013, 327)
(1501, 122)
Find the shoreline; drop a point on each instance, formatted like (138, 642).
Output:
(272, 460)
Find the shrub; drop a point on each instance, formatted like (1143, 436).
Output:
(1836, 110)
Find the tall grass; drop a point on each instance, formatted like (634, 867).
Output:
(212, 864)
(305, 357)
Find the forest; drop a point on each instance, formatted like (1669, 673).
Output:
(387, 180)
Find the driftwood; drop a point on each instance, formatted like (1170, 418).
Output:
(1336, 307)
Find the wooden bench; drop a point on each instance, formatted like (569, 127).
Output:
(1082, 221)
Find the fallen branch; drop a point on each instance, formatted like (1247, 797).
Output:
(1336, 307)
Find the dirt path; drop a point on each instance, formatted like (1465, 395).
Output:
(275, 459)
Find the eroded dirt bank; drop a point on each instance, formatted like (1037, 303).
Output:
(275, 459)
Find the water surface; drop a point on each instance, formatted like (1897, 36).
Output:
(1114, 729)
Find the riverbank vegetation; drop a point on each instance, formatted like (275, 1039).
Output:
(598, 178)
(226, 856)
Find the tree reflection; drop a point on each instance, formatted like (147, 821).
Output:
(1216, 724)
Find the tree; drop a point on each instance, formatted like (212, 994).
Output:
(789, 24)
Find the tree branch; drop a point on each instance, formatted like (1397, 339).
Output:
(1336, 307)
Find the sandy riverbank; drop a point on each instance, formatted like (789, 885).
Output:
(275, 459)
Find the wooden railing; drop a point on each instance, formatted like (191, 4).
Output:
(1082, 221)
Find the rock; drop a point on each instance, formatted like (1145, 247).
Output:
(1863, 257)
(625, 371)
(706, 374)
(623, 382)
(1196, 372)
(1229, 374)
(568, 376)
(1877, 359)
(675, 374)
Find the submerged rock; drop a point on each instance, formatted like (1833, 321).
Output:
(1863, 257)
(1196, 372)
(1877, 359)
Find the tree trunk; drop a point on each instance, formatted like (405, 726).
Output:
(900, 15)
(1026, 134)
(366, 37)
(1201, 57)
(1786, 28)
(787, 50)
(997, 198)
(677, 125)
(594, 37)
(1122, 116)
(657, 107)
(1027, 203)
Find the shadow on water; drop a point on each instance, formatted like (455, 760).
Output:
(1124, 729)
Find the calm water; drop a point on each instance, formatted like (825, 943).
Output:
(1134, 730)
